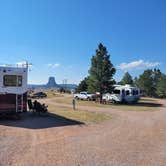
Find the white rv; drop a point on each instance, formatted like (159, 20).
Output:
(13, 89)
(123, 94)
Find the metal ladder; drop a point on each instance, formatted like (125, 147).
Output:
(17, 103)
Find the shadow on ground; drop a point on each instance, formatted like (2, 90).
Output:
(31, 121)
(149, 99)
(145, 104)
(148, 104)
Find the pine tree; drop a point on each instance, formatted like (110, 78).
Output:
(127, 79)
(161, 86)
(136, 82)
(156, 78)
(83, 86)
(146, 83)
(101, 71)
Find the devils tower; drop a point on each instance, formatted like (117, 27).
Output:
(51, 82)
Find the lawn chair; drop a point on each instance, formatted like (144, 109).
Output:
(30, 105)
(40, 108)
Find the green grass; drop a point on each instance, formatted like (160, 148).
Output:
(80, 115)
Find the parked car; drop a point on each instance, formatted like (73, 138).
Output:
(39, 95)
(84, 96)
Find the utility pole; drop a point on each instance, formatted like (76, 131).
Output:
(65, 83)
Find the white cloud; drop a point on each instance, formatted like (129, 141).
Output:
(55, 65)
(2, 65)
(140, 64)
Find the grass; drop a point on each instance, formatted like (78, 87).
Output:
(133, 108)
(52, 93)
(68, 100)
(80, 115)
(145, 104)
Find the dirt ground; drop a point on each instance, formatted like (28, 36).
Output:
(131, 138)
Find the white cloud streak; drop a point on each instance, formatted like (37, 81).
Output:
(140, 64)
(55, 65)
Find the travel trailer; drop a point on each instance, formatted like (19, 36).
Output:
(123, 94)
(13, 89)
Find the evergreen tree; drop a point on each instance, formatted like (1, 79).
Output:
(136, 82)
(101, 71)
(83, 86)
(150, 82)
(156, 78)
(146, 83)
(161, 86)
(127, 79)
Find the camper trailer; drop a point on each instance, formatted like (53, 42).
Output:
(123, 94)
(13, 89)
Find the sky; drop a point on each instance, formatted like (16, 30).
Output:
(59, 37)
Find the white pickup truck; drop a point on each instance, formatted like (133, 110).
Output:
(84, 96)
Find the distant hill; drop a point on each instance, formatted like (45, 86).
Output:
(52, 84)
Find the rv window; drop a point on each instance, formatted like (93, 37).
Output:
(127, 92)
(134, 93)
(12, 80)
(116, 91)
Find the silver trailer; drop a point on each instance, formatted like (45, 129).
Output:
(123, 94)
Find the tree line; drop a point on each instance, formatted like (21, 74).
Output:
(151, 82)
(101, 72)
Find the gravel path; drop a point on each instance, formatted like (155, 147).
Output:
(129, 139)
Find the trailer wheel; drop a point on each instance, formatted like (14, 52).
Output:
(76, 98)
(124, 101)
(113, 101)
(88, 98)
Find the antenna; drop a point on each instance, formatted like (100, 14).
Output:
(27, 65)
(24, 64)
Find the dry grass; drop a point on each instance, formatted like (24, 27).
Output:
(52, 93)
(145, 104)
(80, 115)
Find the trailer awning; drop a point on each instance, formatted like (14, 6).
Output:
(13, 90)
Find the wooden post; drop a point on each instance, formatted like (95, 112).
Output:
(16, 102)
(22, 103)
(74, 104)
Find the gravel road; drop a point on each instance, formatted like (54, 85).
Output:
(130, 139)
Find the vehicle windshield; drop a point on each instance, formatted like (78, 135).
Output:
(116, 91)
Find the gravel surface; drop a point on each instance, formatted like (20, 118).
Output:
(129, 139)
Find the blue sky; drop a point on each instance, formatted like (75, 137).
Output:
(59, 37)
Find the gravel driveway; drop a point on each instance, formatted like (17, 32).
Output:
(129, 139)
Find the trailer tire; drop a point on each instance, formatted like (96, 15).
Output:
(76, 98)
(88, 98)
(113, 101)
(124, 101)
